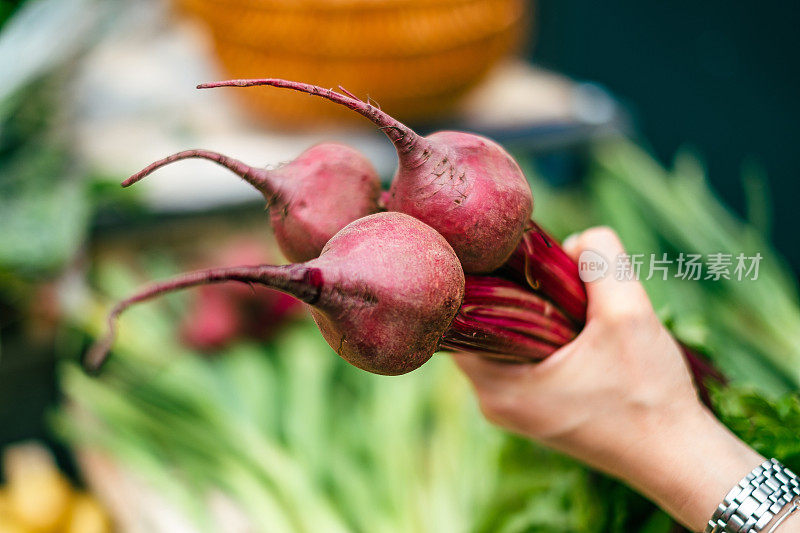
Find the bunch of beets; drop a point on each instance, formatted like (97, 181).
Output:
(447, 258)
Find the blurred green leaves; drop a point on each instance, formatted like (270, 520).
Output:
(7, 8)
(769, 426)
(44, 208)
(46, 197)
(44, 214)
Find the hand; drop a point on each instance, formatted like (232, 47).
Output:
(620, 398)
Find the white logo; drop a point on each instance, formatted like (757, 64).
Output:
(591, 266)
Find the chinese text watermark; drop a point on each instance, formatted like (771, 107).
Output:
(592, 266)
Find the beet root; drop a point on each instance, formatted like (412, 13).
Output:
(310, 198)
(383, 292)
(465, 186)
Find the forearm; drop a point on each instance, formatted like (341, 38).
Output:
(691, 468)
(688, 468)
(685, 464)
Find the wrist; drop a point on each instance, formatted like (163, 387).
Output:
(687, 467)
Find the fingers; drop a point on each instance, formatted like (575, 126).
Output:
(487, 374)
(610, 287)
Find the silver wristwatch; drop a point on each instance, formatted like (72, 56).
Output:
(756, 499)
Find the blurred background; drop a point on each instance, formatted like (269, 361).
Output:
(223, 409)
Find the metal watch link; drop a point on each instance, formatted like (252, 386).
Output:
(755, 500)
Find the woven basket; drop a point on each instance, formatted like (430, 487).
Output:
(414, 57)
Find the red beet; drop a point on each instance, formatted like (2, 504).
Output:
(465, 186)
(383, 292)
(310, 198)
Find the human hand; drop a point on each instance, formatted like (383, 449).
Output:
(620, 398)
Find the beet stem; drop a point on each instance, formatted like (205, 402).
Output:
(540, 263)
(703, 372)
(256, 177)
(501, 318)
(299, 280)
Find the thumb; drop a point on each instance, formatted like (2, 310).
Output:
(606, 271)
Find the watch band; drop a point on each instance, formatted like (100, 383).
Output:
(755, 500)
(782, 518)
